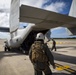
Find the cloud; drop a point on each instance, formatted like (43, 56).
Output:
(4, 20)
(56, 7)
(5, 6)
(34, 3)
(4, 12)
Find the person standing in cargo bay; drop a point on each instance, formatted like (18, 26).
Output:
(41, 57)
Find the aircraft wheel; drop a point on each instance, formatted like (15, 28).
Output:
(26, 52)
(9, 49)
(5, 49)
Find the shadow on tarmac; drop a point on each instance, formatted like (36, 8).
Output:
(64, 58)
(9, 54)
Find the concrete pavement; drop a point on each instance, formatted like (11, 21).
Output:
(14, 63)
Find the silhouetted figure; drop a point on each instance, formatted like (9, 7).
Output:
(54, 45)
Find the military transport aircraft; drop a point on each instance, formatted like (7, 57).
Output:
(39, 20)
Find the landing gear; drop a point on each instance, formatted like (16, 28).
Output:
(6, 49)
(24, 50)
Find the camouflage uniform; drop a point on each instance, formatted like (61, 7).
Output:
(39, 66)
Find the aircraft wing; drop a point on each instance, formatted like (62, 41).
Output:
(45, 19)
(4, 29)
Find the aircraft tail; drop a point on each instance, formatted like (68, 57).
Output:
(14, 16)
(73, 14)
(73, 9)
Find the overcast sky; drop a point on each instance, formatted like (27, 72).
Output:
(59, 6)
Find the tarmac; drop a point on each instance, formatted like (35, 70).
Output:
(16, 63)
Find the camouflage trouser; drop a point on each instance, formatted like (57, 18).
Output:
(47, 71)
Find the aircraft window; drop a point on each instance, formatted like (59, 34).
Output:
(22, 27)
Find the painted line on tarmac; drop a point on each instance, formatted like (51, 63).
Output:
(66, 68)
(64, 42)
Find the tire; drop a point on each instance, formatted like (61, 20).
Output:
(9, 49)
(5, 49)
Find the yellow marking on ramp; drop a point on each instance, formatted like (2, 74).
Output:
(59, 69)
(66, 68)
(62, 67)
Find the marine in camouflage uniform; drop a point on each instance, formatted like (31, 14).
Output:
(40, 67)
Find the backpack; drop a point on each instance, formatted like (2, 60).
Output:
(38, 52)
